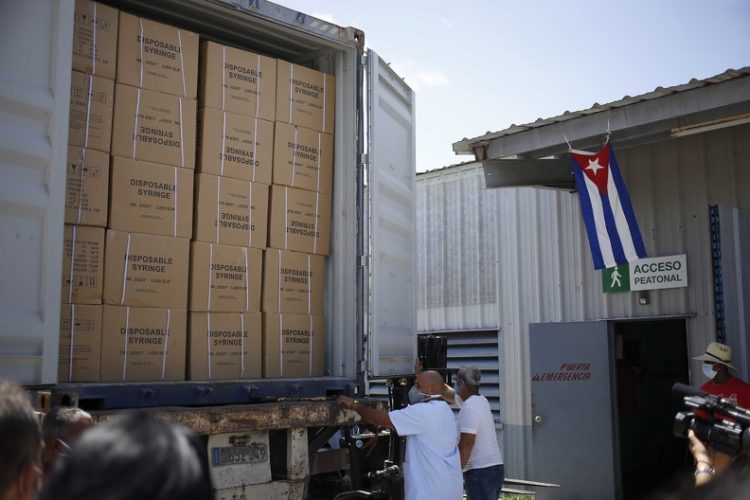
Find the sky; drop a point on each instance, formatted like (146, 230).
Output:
(481, 65)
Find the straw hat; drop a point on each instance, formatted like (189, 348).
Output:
(717, 353)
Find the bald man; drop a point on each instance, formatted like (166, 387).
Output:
(432, 465)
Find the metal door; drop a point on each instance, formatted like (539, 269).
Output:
(36, 40)
(572, 407)
(392, 337)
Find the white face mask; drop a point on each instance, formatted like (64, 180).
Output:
(708, 370)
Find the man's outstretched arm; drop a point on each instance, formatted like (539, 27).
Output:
(371, 416)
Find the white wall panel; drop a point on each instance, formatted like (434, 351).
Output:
(456, 250)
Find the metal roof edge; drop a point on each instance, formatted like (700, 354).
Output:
(654, 100)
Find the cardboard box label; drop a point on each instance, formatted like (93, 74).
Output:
(143, 345)
(238, 81)
(300, 220)
(158, 57)
(90, 123)
(86, 187)
(225, 278)
(302, 158)
(225, 346)
(83, 264)
(293, 345)
(151, 198)
(230, 211)
(95, 39)
(143, 270)
(154, 127)
(80, 343)
(305, 97)
(236, 146)
(293, 282)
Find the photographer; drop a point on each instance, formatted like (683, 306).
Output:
(719, 436)
(717, 361)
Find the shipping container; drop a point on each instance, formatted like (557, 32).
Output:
(369, 299)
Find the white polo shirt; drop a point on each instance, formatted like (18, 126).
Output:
(432, 465)
(475, 417)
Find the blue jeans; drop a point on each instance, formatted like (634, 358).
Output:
(484, 484)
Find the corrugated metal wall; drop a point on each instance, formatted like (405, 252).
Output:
(456, 251)
(545, 272)
(501, 259)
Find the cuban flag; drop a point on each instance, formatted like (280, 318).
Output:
(613, 232)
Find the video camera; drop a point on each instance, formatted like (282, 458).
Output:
(724, 426)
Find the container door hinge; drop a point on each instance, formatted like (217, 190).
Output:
(364, 261)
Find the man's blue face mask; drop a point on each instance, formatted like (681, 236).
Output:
(709, 371)
(415, 396)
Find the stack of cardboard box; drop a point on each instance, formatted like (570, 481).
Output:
(151, 203)
(293, 283)
(235, 150)
(86, 200)
(256, 205)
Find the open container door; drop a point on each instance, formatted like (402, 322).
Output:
(391, 343)
(34, 103)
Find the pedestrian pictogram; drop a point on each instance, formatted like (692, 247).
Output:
(616, 279)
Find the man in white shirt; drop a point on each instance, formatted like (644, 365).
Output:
(431, 464)
(481, 458)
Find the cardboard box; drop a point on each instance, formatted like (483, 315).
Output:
(238, 81)
(80, 326)
(305, 97)
(156, 56)
(230, 211)
(293, 282)
(90, 120)
(154, 127)
(302, 158)
(235, 146)
(224, 346)
(299, 220)
(83, 264)
(293, 345)
(86, 187)
(95, 39)
(225, 278)
(143, 345)
(151, 198)
(143, 270)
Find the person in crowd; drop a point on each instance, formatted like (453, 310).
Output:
(481, 457)
(132, 457)
(20, 445)
(708, 463)
(717, 361)
(61, 427)
(431, 464)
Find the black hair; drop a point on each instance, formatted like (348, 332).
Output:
(134, 456)
(58, 421)
(20, 438)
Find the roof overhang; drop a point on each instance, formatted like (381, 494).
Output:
(637, 122)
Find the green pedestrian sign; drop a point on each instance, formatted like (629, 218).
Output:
(653, 273)
(616, 279)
